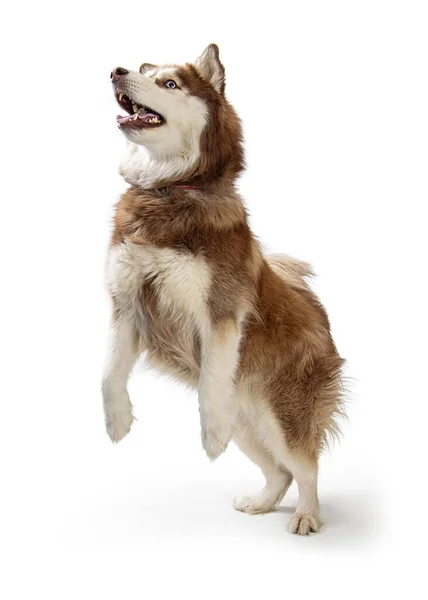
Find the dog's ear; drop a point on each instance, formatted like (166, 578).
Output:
(146, 67)
(210, 68)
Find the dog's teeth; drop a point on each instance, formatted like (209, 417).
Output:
(121, 95)
(134, 106)
(135, 116)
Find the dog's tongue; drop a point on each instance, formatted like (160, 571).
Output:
(145, 117)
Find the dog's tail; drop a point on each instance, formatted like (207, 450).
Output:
(331, 394)
(295, 272)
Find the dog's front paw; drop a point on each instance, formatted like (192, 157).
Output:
(215, 442)
(118, 415)
(118, 424)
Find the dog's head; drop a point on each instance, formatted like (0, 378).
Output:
(180, 116)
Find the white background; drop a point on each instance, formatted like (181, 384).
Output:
(334, 100)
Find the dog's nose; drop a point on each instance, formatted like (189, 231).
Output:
(117, 73)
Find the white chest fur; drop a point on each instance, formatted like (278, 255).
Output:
(180, 279)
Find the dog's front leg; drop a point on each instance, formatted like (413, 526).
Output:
(219, 360)
(122, 353)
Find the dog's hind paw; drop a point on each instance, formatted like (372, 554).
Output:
(303, 524)
(253, 505)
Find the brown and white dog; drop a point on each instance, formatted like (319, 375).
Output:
(191, 288)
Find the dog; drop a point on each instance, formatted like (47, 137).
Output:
(192, 289)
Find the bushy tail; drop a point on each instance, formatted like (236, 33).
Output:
(331, 399)
(327, 386)
(292, 270)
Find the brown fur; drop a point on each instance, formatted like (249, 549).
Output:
(286, 345)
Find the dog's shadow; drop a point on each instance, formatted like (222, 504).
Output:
(348, 520)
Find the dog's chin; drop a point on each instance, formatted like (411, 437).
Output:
(162, 141)
(141, 137)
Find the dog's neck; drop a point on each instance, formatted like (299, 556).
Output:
(145, 170)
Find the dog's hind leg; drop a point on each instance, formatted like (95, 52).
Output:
(278, 478)
(303, 465)
(281, 464)
(123, 351)
(304, 468)
(305, 519)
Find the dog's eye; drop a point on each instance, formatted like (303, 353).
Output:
(170, 84)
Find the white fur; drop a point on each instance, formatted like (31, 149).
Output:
(182, 280)
(171, 150)
(277, 480)
(305, 519)
(166, 72)
(122, 353)
(220, 355)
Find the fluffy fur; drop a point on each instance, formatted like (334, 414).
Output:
(191, 287)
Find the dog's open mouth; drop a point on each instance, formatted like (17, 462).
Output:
(138, 115)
